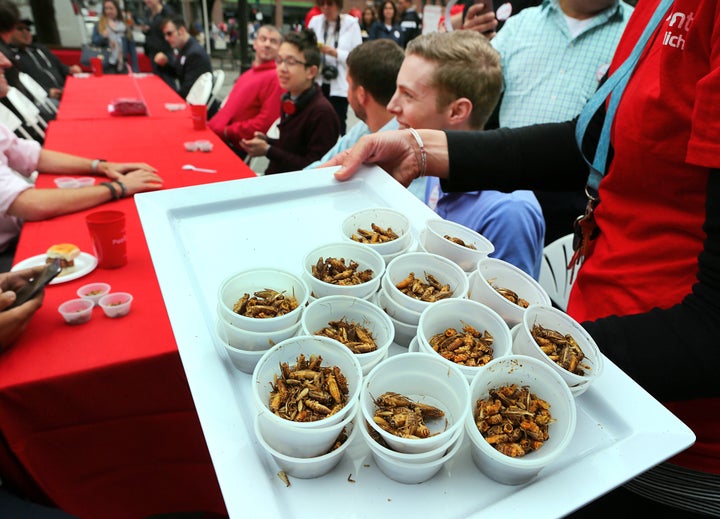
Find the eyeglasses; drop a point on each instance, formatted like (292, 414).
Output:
(289, 61)
(22, 28)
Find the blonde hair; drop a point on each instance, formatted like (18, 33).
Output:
(466, 66)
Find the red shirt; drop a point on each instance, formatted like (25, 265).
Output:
(252, 105)
(665, 138)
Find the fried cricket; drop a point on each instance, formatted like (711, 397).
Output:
(399, 415)
(468, 347)
(355, 336)
(377, 234)
(336, 272)
(430, 291)
(265, 303)
(562, 349)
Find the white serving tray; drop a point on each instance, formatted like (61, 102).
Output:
(199, 235)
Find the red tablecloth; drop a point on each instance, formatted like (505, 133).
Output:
(72, 57)
(89, 97)
(99, 415)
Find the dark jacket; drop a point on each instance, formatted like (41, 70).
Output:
(190, 63)
(305, 136)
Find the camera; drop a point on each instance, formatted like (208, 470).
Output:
(329, 72)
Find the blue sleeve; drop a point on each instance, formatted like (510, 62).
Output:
(97, 39)
(517, 229)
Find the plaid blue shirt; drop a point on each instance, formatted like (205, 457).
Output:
(550, 75)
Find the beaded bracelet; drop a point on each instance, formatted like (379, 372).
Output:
(123, 189)
(112, 189)
(95, 163)
(423, 154)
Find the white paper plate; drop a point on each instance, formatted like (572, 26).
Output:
(84, 264)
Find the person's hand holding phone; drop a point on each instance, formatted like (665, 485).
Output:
(13, 321)
(480, 17)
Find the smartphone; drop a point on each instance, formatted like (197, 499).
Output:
(34, 287)
(487, 7)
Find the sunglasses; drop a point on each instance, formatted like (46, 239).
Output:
(22, 28)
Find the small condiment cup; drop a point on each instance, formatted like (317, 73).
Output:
(76, 311)
(116, 304)
(93, 292)
(65, 182)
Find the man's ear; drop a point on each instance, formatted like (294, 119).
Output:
(460, 111)
(361, 95)
(312, 71)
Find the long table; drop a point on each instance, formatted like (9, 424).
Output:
(98, 418)
(88, 97)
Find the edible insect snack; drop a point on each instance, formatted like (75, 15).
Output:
(459, 241)
(562, 349)
(265, 303)
(429, 291)
(513, 420)
(355, 336)
(308, 391)
(468, 347)
(376, 235)
(336, 272)
(399, 415)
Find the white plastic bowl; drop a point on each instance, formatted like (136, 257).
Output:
(319, 313)
(65, 182)
(254, 341)
(253, 280)
(393, 308)
(244, 360)
(422, 378)
(300, 442)
(84, 181)
(404, 333)
(288, 351)
(554, 319)
(456, 313)
(465, 257)
(307, 468)
(76, 311)
(382, 217)
(365, 257)
(411, 247)
(505, 275)
(420, 263)
(413, 473)
(405, 457)
(116, 304)
(547, 385)
(93, 292)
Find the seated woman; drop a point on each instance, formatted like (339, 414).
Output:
(112, 32)
(308, 126)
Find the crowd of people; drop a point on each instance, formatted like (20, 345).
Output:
(514, 123)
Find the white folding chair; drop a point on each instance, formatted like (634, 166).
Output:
(28, 110)
(12, 121)
(201, 90)
(218, 82)
(555, 277)
(37, 91)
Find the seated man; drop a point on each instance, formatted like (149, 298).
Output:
(308, 125)
(452, 81)
(38, 62)
(253, 104)
(191, 60)
(20, 200)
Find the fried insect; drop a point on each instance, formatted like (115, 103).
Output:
(562, 349)
(265, 303)
(513, 420)
(399, 415)
(308, 391)
(460, 242)
(430, 292)
(468, 347)
(356, 337)
(376, 235)
(336, 272)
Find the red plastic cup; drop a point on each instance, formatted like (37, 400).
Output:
(199, 116)
(107, 230)
(96, 65)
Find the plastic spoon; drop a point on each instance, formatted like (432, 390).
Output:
(190, 167)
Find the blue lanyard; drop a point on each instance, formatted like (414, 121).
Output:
(614, 86)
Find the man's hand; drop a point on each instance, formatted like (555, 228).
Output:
(161, 59)
(257, 146)
(116, 170)
(477, 20)
(14, 321)
(141, 180)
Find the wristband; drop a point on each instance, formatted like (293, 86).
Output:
(112, 189)
(123, 189)
(423, 154)
(95, 163)
(267, 149)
